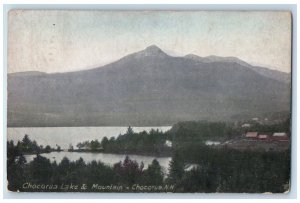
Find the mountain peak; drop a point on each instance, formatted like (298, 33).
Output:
(153, 48)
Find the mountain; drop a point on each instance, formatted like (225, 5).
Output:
(144, 88)
(273, 74)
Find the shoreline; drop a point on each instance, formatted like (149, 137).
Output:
(168, 154)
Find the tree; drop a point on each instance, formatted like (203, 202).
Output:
(71, 148)
(47, 149)
(176, 168)
(64, 170)
(80, 145)
(154, 174)
(129, 171)
(95, 145)
(58, 148)
(26, 144)
(26, 140)
(104, 142)
(35, 147)
(15, 167)
(129, 131)
(40, 170)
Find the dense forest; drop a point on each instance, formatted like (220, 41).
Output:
(146, 143)
(194, 167)
(181, 135)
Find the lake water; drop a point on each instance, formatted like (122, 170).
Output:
(209, 143)
(64, 136)
(108, 159)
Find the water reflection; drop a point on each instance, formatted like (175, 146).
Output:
(106, 158)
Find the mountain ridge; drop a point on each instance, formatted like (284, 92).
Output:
(144, 88)
(154, 50)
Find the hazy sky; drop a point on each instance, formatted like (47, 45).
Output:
(60, 41)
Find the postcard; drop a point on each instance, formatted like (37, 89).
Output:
(149, 101)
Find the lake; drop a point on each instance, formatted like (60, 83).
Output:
(106, 158)
(64, 136)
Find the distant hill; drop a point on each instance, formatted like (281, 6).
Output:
(147, 88)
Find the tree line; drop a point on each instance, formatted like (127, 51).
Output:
(27, 146)
(147, 143)
(44, 172)
(213, 169)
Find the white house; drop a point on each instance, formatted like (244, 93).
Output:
(246, 125)
(281, 134)
(168, 143)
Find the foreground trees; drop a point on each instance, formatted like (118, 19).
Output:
(15, 167)
(228, 170)
(194, 167)
(42, 171)
(214, 170)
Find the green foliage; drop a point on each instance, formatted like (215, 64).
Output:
(227, 170)
(131, 143)
(15, 167)
(128, 171)
(27, 146)
(42, 171)
(218, 169)
(104, 142)
(129, 131)
(94, 145)
(176, 168)
(199, 131)
(154, 174)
